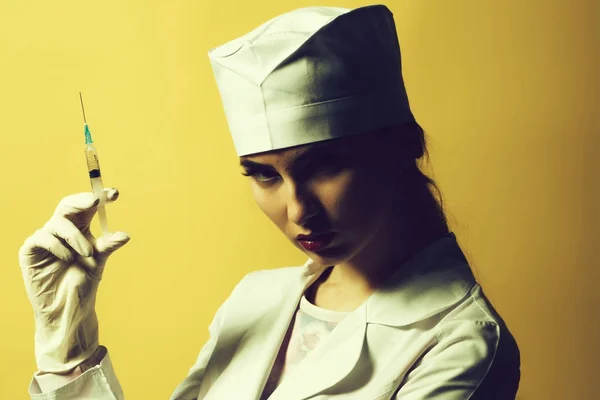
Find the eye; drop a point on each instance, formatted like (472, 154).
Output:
(256, 174)
(327, 168)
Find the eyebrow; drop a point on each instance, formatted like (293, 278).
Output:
(313, 152)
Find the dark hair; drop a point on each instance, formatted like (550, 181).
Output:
(411, 139)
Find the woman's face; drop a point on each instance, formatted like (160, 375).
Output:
(341, 185)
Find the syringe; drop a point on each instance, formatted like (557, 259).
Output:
(93, 164)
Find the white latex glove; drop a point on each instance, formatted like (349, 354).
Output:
(62, 264)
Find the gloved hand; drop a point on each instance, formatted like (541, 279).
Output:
(62, 265)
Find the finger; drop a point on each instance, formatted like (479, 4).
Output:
(108, 195)
(83, 205)
(46, 242)
(112, 194)
(63, 228)
(106, 245)
(76, 204)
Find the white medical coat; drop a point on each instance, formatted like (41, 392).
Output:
(429, 333)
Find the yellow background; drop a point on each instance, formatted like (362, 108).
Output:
(506, 90)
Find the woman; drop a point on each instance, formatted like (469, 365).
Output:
(386, 306)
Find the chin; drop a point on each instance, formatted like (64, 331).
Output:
(329, 256)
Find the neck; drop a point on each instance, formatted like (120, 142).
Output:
(391, 247)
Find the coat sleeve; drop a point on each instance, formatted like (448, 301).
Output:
(99, 382)
(189, 388)
(472, 360)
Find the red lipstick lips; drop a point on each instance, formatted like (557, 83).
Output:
(315, 242)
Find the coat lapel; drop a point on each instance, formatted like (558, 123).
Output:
(247, 361)
(329, 363)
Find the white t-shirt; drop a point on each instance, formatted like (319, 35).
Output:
(311, 324)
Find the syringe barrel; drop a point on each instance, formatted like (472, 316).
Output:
(93, 164)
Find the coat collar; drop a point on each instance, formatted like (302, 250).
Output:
(439, 277)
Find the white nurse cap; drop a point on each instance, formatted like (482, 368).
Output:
(312, 74)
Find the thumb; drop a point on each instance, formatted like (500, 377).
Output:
(107, 244)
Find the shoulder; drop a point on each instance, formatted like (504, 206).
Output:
(475, 308)
(263, 282)
(486, 338)
(475, 354)
(260, 291)
(284, 273)
(475, 317)
(275, 276)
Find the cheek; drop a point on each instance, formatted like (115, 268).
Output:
(355, 200)
(270, 206)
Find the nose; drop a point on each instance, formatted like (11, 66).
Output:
(302, 205)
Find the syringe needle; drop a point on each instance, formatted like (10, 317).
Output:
(82, 109)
